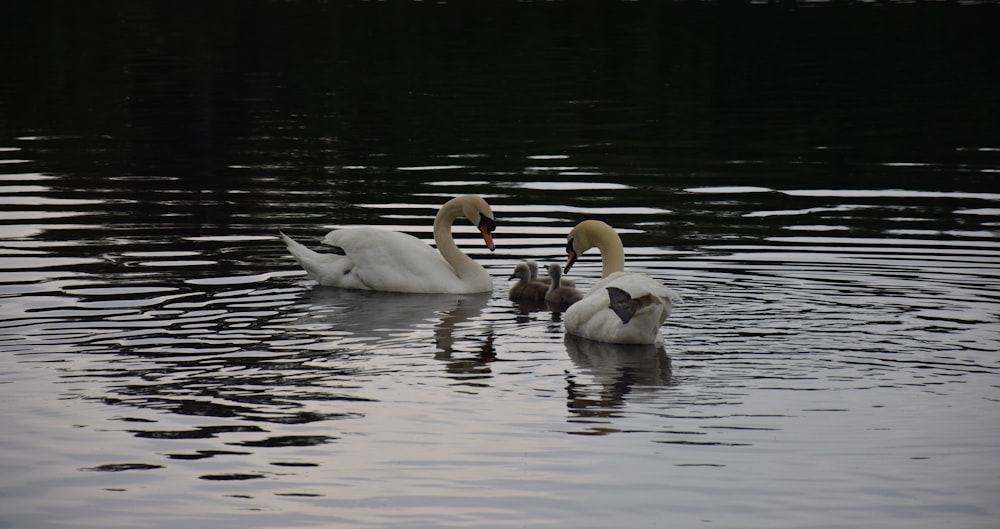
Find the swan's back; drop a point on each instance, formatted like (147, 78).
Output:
(594, 318)
(385, 261)
(389, 261)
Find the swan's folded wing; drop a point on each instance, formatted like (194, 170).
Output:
(594, 318)
(391, 261)
(638, 286)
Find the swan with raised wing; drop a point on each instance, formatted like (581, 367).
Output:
(624, 307)
(388, 261)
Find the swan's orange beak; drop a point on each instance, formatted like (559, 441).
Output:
(570, 259)
(571, 256)
(487, 236)
(486, 227)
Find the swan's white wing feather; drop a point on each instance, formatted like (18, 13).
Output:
(639, 285)
(393, 262)
(389, 261)
(381, 260)
(592, 317)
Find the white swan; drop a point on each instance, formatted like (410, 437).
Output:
(390, 261)
(559, 293)
(525, 289)
(624, 307)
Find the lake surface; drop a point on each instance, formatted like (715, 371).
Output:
(819, 182)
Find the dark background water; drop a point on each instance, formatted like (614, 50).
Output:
(189, 91)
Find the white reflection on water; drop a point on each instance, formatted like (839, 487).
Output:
(889, 193)
(729, 190)
(379, 316)
(567, 186)
(433, 168)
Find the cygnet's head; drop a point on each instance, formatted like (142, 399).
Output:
(521, 272)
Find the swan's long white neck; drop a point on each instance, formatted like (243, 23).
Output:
(609, 243)
(463, 265)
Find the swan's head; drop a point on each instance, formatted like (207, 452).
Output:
(521, 272)
(480, 215)
(583, 237)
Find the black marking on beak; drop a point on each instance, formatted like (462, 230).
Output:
(487, 226)
(571, 255)
(490, 224)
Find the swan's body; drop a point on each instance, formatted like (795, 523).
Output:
(390, 261)
(558, 293)
(533, 266)
(525, 289)
(624, 307)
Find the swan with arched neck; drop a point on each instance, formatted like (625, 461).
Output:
(388, 261)
(623, 307)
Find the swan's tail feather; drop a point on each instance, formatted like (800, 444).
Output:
(317, 265)
(298, 251)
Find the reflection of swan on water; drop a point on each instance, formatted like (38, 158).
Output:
(381, 316)
(388, 261)
(463, 309)
(529, 311)
(617, 369)
(366, 321)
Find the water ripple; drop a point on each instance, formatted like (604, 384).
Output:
(212, 359)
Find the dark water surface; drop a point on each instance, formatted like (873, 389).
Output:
(818, 181)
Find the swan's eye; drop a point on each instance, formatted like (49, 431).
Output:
(491, 225)
(569, 246)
